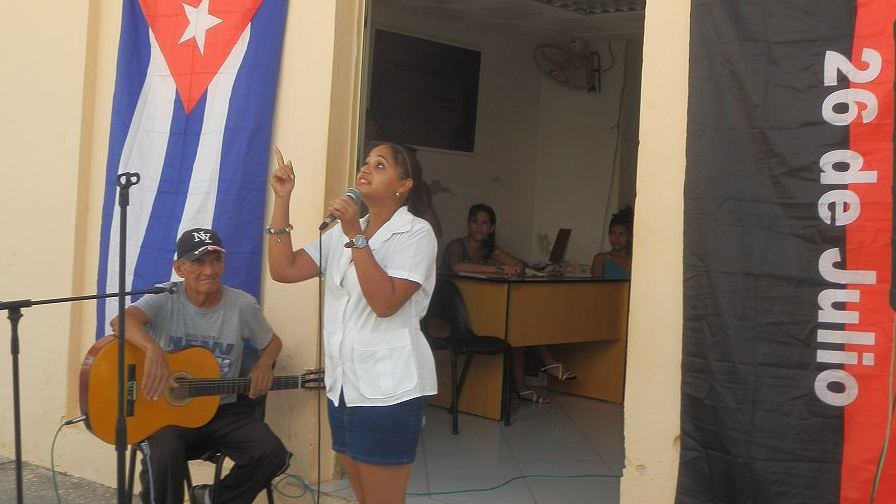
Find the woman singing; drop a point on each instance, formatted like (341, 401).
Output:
(380, 272)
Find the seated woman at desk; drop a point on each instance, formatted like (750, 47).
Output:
(478, 253)
(617, 263)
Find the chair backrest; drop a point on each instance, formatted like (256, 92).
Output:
(446, 317)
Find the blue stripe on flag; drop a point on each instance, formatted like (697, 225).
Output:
(239, 214)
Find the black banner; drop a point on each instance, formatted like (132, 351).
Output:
(761, 235)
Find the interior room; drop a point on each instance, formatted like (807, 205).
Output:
(553, 144)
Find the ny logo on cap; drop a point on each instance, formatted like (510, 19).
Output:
(202, 236)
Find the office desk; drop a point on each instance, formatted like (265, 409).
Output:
(585, 319)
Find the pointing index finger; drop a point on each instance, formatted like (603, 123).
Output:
(279, 156)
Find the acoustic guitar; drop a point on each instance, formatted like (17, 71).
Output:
(192, 403)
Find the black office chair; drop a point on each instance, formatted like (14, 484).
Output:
(250, 358)
(447, 327)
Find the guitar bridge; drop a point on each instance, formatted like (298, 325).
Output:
(313, 379)
(130, 390)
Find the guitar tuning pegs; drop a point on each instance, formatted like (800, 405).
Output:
(313, 379)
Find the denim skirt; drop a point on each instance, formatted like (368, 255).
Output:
(378, 435)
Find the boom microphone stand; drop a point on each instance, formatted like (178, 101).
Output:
(14, 309)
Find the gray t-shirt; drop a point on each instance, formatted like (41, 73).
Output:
(175, 323)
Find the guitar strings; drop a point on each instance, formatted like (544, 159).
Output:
(216, 386)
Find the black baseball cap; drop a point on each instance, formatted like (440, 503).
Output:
(196, 242)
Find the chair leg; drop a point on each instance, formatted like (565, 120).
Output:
(463, 373)
(219, 467)
(454, 394)
(188, 479)
(129, 489)
(505, 391)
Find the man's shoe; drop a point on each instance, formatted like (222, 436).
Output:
(201, 494)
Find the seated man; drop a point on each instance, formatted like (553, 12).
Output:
(204, 312)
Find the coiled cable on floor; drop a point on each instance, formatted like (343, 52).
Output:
(296, 480)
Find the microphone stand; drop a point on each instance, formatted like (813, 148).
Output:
(14, 309)
(124, 181)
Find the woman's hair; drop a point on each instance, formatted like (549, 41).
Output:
(409, 166)
(489, 246)
(625, 217)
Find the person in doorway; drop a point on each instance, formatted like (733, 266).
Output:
(221, 319)
(617, 263)
(380, 274)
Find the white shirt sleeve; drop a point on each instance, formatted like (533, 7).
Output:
(325, 246)
(413, 254)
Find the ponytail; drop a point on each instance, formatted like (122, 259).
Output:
(417, 199)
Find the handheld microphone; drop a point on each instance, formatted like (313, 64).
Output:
(355, 196)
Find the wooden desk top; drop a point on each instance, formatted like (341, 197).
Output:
(545, 310)
(550, 278)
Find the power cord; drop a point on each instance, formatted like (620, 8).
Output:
(571, 476)
(892, 403)
(301, 483)
(53, 449)
(320, 347)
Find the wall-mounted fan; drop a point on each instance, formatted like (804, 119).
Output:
(568, 68)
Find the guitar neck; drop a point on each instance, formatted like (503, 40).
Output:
(198, 387)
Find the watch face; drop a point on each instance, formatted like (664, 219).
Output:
(360, 241)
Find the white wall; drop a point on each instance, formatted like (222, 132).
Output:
(653, 362)
(544, 154)
(576, 182)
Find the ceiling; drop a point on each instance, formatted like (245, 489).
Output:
(533, 19)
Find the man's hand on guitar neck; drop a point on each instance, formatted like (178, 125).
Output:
(262, 375)
(156, 376)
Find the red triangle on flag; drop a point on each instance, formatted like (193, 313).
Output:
(195, 37)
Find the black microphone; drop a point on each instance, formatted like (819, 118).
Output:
(171, 288)
(355, 196)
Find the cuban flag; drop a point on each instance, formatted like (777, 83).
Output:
(192, 112)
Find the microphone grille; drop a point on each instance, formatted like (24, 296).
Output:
(354, 194)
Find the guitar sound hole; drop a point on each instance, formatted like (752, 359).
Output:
(179, 393)
(178, 396)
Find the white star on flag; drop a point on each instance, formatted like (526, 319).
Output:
(200, 21)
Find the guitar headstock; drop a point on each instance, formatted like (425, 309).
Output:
(313, 379)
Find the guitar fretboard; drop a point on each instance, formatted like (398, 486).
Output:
(199, 387)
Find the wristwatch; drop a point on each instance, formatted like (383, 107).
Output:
(359, 241)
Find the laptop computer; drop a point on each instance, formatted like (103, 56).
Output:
(558, 251)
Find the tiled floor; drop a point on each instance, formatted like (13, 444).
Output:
(571, 436)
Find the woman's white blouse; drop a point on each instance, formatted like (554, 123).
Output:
(377, 361)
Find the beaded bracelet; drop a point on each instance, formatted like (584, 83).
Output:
(278, 231)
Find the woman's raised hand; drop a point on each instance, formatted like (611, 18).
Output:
(283, 178)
